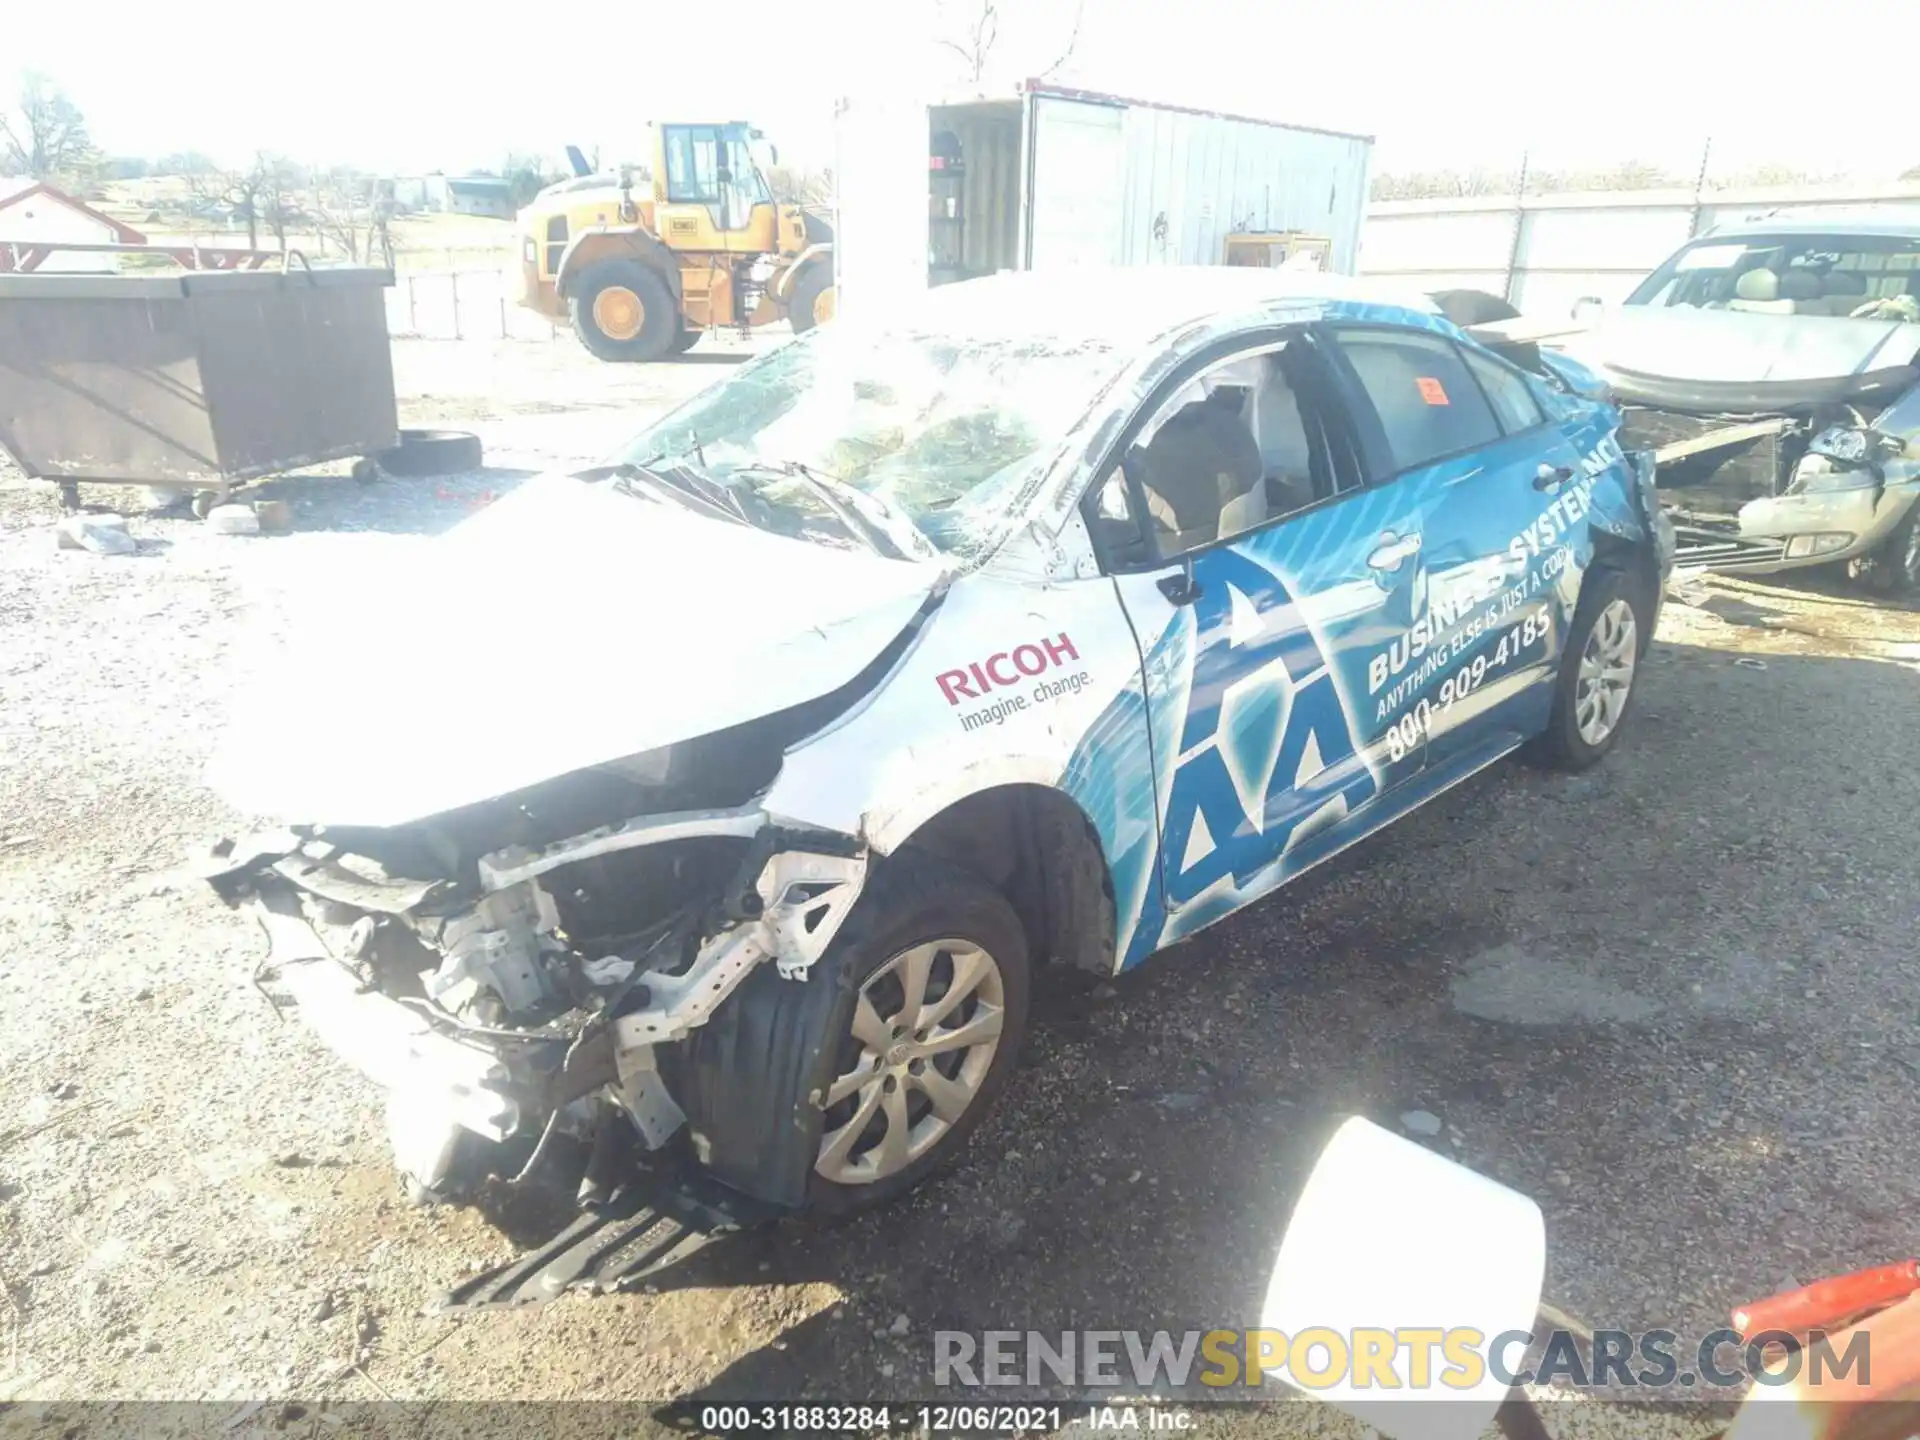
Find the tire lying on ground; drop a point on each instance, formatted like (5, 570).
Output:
(431, 452)
(1473, 307)
(850, 1089)
(622, 310)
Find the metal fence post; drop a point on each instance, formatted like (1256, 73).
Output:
(413, 308)
(1699, 186)
(453, 279)
(1519, 232)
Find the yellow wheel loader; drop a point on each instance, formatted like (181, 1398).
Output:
(641, 273)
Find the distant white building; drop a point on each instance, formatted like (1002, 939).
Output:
(35, 215)
(455, 194)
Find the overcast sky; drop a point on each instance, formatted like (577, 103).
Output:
(399, 86)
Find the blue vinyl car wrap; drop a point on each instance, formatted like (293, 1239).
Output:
(1046, 618)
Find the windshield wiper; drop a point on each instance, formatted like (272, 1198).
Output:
(676, 483)
(883, 526)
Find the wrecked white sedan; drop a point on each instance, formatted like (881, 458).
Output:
(1774, 369)
(717, 801)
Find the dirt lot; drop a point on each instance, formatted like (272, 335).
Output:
(1672, 999)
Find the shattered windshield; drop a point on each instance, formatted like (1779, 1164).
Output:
(935, 431)
(1870, 277)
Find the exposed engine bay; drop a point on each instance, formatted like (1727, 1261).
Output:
(1712, 465)
(520, 972)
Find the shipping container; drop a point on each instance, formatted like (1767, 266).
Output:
(1050, 176)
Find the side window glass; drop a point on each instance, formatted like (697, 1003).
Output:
(1428, 402)
(1231, 450)
(1117, 535)
(1512, 400)
(692, 165)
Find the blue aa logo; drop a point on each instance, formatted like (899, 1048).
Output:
(1251, 786)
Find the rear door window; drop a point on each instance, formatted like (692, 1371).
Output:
(1429, 404)
(1512, 400)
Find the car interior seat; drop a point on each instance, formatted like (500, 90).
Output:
(1200, 462)
(1757, 291)
(1842, 292)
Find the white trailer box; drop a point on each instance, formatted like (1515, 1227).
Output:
(1053, 176)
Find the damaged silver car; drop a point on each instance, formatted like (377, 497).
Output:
(1774, 369)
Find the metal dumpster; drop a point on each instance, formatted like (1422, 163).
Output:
(193, 381)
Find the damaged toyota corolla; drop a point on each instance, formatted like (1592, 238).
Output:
(718, 801)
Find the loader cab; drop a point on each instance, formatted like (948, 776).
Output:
(709, 191)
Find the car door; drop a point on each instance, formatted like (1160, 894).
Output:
(1260, 572)
(1492, 495)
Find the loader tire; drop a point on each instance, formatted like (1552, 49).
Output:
(622, 310)
(804, 302)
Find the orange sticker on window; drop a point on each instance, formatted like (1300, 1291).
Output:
(1431, 390)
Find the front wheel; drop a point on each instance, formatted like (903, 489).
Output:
(621, 310)
(853, 1085)
(1598, 673)
(812, 300)
(1894, 568)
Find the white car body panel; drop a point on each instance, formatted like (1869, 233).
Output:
(699, 603)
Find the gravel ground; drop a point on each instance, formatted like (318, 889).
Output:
(1670, 998)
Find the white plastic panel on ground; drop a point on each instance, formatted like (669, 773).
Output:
(1078, 173)
(1193, 179)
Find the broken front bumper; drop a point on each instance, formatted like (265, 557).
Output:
(384, 1040)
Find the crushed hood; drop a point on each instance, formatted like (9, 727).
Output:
(1727, 360)
(564, 626)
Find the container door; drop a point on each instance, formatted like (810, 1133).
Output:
(880, 213)
(1079, 169)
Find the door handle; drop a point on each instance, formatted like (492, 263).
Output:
(1392, 550)
(1551, 477)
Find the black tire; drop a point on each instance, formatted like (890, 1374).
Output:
(430, 452)
(1894, 567)
(659, 323)
(1561, 746)
(751, 1079)
(808, 286)
(1473, 307)
(685, 340)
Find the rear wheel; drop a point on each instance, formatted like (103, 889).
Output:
(622, 310)
(1894, 568)
(1598, 673)
(812, 300)
(872, 1072)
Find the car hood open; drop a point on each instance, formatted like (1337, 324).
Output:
(564, 626)
(1728, 360)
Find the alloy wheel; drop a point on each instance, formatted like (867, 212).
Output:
(1606, 672)
(926, 1026)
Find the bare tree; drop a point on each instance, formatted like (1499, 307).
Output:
(263, 195)
(46, 138)
(1073, 39)
(355, 214)
(794, 185)
(974, 36)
